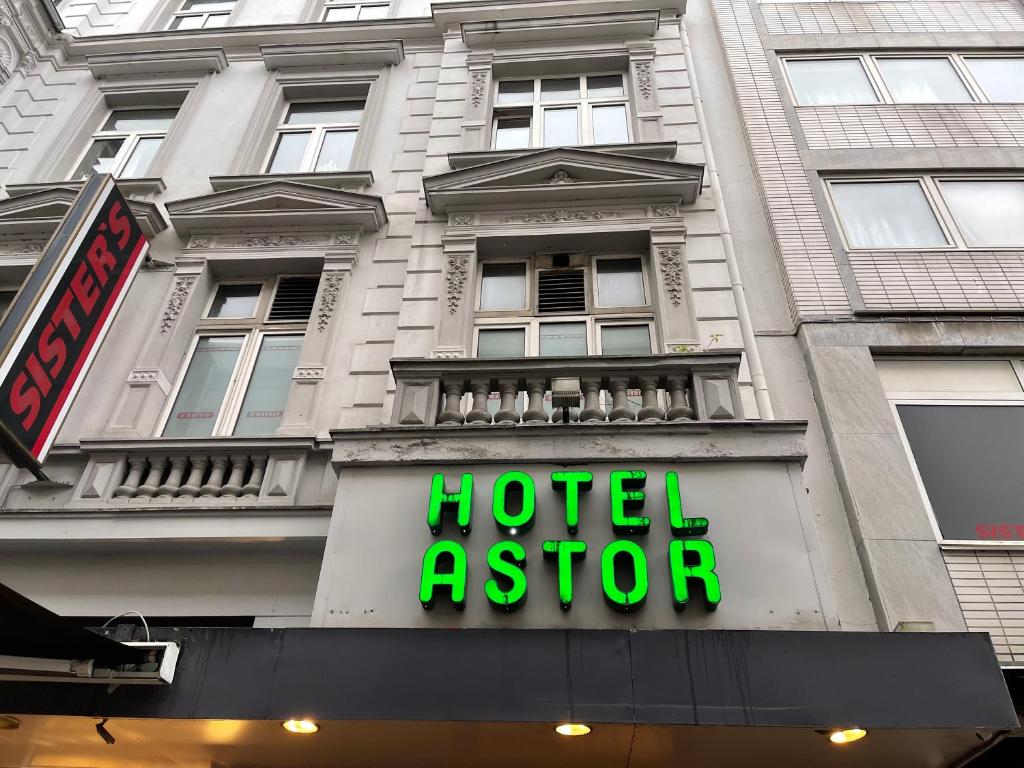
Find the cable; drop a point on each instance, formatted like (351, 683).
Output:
(129, 613)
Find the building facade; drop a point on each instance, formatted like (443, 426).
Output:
(626, 337)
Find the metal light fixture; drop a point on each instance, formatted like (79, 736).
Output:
(300, 726)
(847, 735)
(107, 736)
(565, 396)
(572, 729)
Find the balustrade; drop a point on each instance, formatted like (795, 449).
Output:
(205, 477)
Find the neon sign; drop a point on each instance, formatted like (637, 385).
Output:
(625, 581)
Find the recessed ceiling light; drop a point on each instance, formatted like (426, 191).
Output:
(847, 735)
(300, 726)
(572, 729)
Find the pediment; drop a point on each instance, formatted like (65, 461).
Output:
(35, 215)
(275, 204)
(564, 176)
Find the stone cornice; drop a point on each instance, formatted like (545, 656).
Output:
(655, 150)
(192, 61)
(36, 210)
(371, 53)
(605, 26)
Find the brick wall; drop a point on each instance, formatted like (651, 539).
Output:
(917, 16)
(990, 588)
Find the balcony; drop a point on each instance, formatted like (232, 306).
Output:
(474, 392)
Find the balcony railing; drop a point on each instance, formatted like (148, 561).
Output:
(651, 388)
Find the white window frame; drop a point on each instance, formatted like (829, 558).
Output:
(871, 77)
(181, 13)
(131, 140)
(584, 104)
(359, 6)
(318, 133)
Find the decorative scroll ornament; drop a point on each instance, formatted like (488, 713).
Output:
(328, 300)
(665, 210)
(562, 177)
(460, 219)
(312, 373)
(672, 273)
(645, 79)
(478, 85)
(28, 62)
(455, 275)
(270, 241)
(554, 217)
(182, 287)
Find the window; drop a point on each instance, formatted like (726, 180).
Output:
(316, 137)
(127, 143)
(7, 297)
(933, 79)
(930, 212)
(561, 111)
(202, 14)
(239, 370)
(342, 11)
(563, 304)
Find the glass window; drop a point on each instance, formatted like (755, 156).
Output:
(512, 133)
(200, 14)
(515, 91)
(602, 86)
(6, 299)
(141, 157)
(990, 214)
(561, 127)
(503, 286)
(127, 143)
(269, 384)
(99, 158)
(830, 81)
(234, 300)
(620, 283)
(887, 214)
(625, 340)
(202, 391)
(336, 151)
(140, 120)
(328, 144)
(1001, 78)
(353, 11)
(558, 339)
(923, 81)
(611, 125)
(291, 148)
(316, 112)
(560, 89)
(501, 342)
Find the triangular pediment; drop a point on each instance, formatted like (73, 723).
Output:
(564, 176)
(275, 204)
(35, 215)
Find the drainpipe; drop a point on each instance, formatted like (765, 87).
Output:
(764, 403)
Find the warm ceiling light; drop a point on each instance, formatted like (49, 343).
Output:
(847, 735)
(300, 726)
(572, 729)
(9, 723)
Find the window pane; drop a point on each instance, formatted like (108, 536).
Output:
(501, 342)
(289, 152)
(610, 124)
(516, 91)
(830, 81)
(887, 214)
(345, 13)
(202, 392)
(235, 300)
(216, 20)
(6, 299)
(373, 12)
(560, 89)
(563, 339)
(140, 120)
(599, 86)
(319, 112)
(269, 384)
(187, 22)
(99, 158)
(1001, 79)
(625, 340)
(561, 128)
(512, 133)
(336, 151)
(142, 158)
(923, 81)
(989, 213)
(503, 286)
(208, 5)
(620, 283)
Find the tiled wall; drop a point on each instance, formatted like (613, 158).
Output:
(917, 16)
(990, 588)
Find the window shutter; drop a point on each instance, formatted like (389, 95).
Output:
(561, 291)
(293, 301)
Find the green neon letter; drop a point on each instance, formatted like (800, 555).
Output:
(626, 495)
(702, 570)
(681, 526)
(452, 579)
(517, 522)
(506, 559)
(442, 502)
(613, 595)
(565, 553)
(572, 484)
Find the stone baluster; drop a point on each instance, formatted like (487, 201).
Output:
(452, 413)
(252, 488)
(535, 389)
(173, 483)
(195, 477)
(130, 486)
(650, 411)
(592, 410)
(678, 408)
(507, 413)
(213, 485)
(621, 410)
(233, 487)
(156, 473)
(479, 415)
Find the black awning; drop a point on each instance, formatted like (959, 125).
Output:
(28, 629)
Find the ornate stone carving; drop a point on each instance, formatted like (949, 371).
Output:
(311, 373)
(645, 79)
(562, 177)
(477, 87)
(328, 300)
(460, 219)
(182, 287)
(199, 242)
(273, 241)
(554, 217)
(671, 263)
(665, 210)
(142, 376)
(345, 238)
(455, 277)
(445, 353)
(28, 62)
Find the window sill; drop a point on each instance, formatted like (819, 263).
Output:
(657, 150)
(356, 181)
(142, 186)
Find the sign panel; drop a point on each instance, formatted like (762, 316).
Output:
(59, 318)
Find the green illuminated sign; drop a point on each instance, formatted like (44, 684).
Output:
(624, 569)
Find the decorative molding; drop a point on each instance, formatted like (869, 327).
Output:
(199, 243)
(20, 247)
(345, 238)
(272, 241)
(144, 377)
(478, 87)
(448, 353)
(328, 300)
(645, 79)
(665, 210)
(460, 219)
(309, 373)
(562, 176)
(182, 287)
(312, 240)
(456, 275)
(671, 262)
(554, 217)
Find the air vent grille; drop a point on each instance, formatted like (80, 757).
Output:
(293, 301)
(561, 291)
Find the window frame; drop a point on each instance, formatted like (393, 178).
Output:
(180, 13)
(791, 88)
(874, 58)
(358, 5)
(318, 133)
(130, 142)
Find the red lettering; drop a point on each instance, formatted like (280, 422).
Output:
(85, 289)
(63, 315)
(983, 531)
(52, 349)
(119, 225)
(35, 370)
(24, 400)
(1005, 532)
(101, 259)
